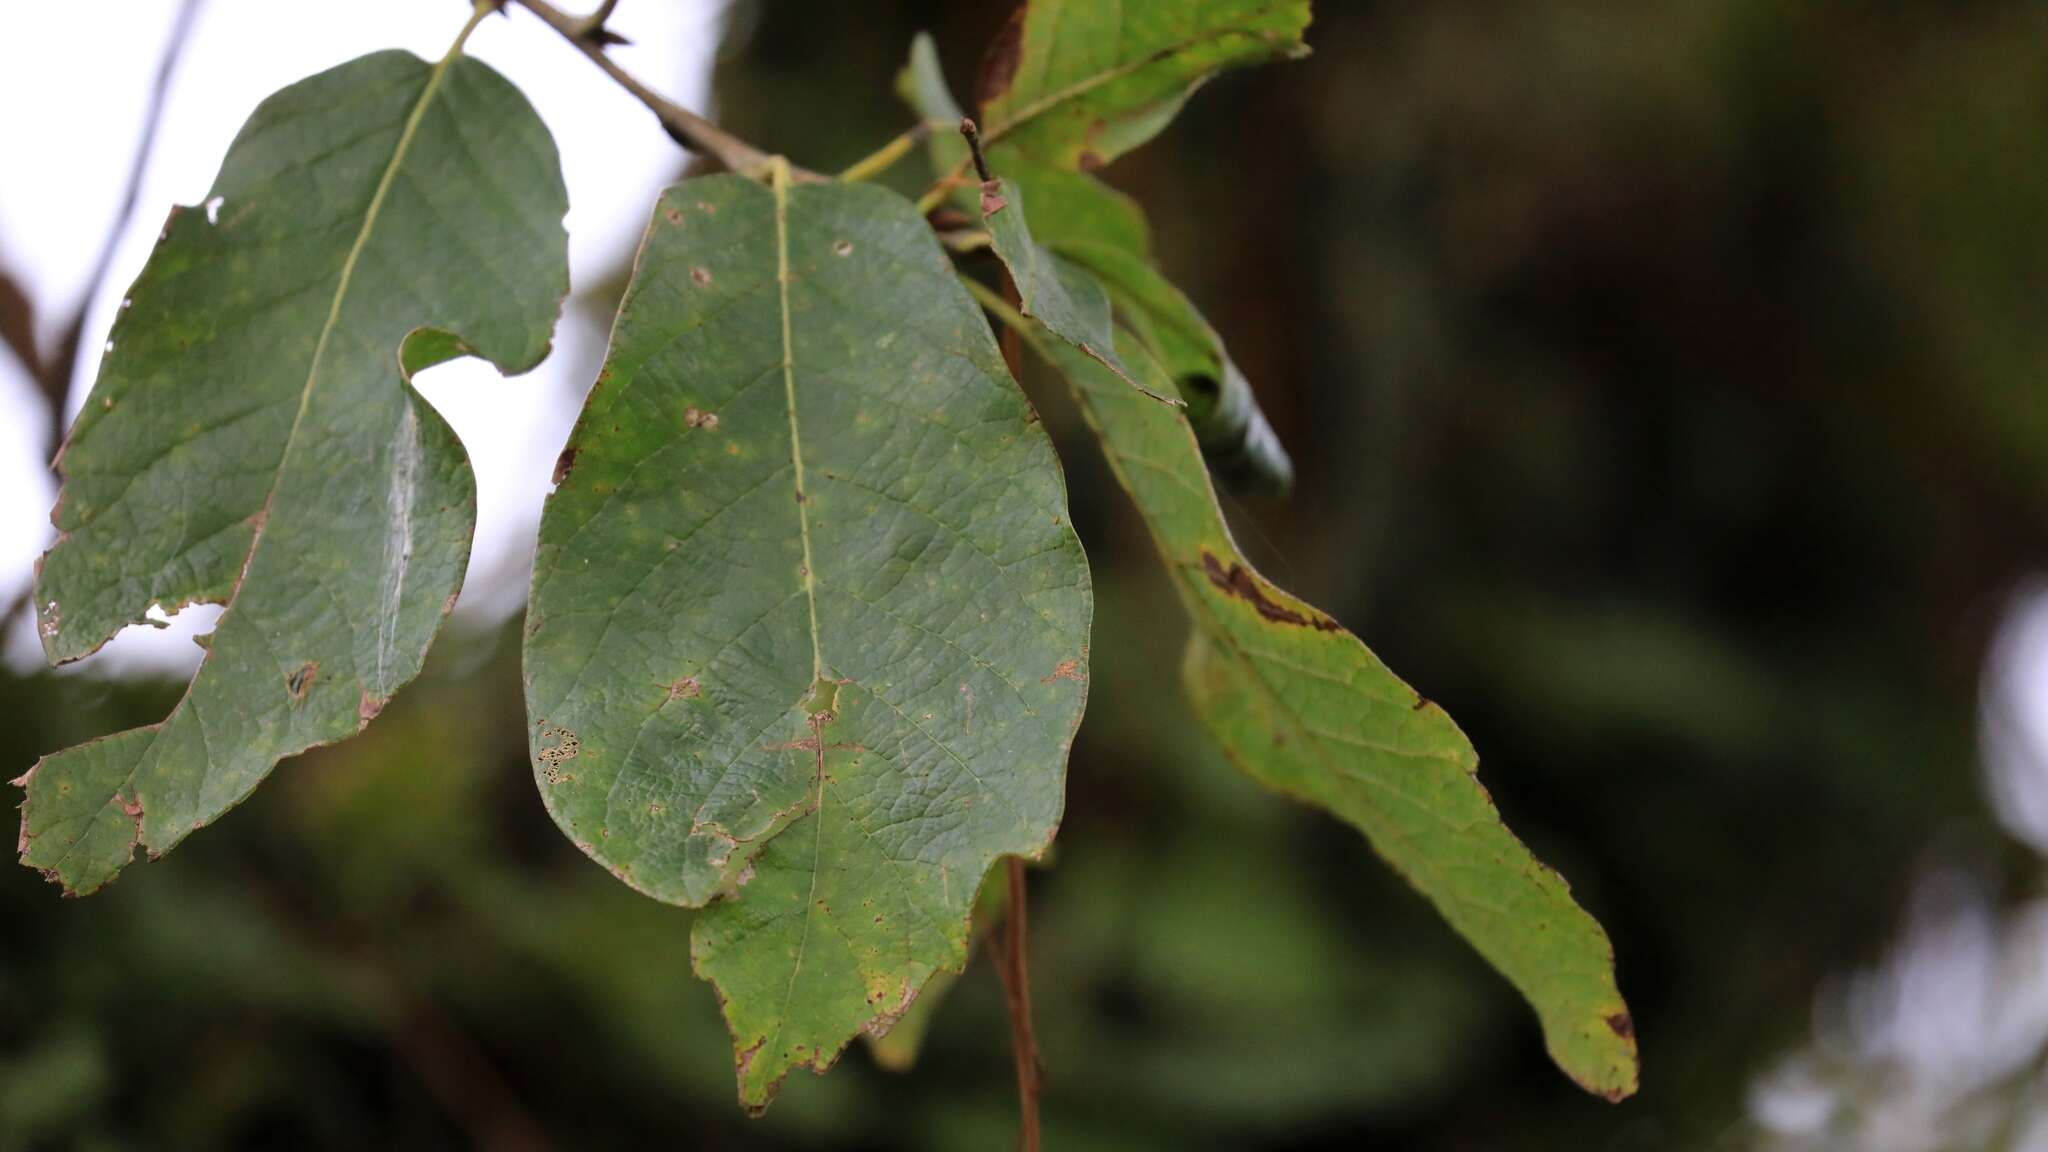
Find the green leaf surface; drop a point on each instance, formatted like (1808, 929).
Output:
(808, 634)
(1236, 439)
(897, 1050)
(1086, 221)
(253, 438)
(1078, 83)
(1040, 291)
(1303, 707)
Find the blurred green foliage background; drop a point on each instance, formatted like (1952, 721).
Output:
(1666, 386)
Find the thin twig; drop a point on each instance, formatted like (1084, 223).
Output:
(1016, 976)
(880, 160)
(961, 241)
(683, 126)
(973, 136)
(935, 196)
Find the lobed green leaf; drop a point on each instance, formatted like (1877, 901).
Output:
(253, 439)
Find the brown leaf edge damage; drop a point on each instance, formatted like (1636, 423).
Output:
(1239, 581)
(367, 708)
(878, 1025)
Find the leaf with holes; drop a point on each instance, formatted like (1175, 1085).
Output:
(253, 438)
(1078, 83)
(1303, 707)
(808, 634)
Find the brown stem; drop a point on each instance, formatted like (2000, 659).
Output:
(1012, 343)
(1016, 978)
(1016, 938)
(973, 135)
(683, 126)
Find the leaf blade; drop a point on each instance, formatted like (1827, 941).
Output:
(1303, 707)
(1078, 84)
(273, 327)
(822, 707)
(1040, 291)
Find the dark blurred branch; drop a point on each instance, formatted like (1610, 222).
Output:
(685, 127)
(461, 1077)
(18, 330)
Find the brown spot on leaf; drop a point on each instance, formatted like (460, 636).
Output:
(842, 247)
(1621, 1025)
(1237, 581)
(562, 751)
(301, 681)
(695, 419)
(701, 274)
(368, 707)
(674, 214)
(992, 200)
(745, 1061)
(564, 463)
(1065, 670)
(686, 688)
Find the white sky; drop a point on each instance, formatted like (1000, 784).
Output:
(69, 139)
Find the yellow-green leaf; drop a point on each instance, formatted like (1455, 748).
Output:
(1079, 82)
(1303, 707)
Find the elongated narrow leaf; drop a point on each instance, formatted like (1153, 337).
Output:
(1043, 297)
(1079, 82)
(1088, 222)
(252, 438)
(809, 627)
(1303, 707)
(1237, 441)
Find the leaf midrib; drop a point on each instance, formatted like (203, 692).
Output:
(779, 183)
